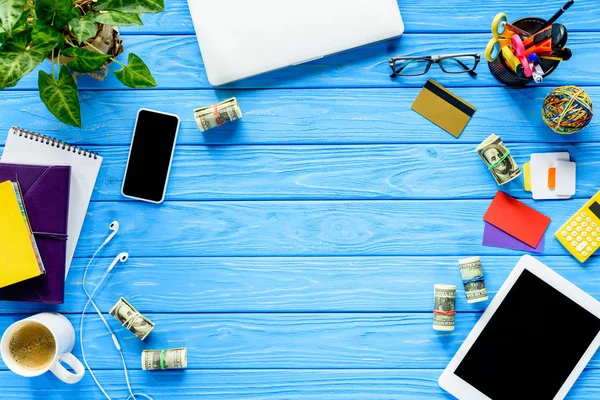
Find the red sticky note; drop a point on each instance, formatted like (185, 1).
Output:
(517, 219)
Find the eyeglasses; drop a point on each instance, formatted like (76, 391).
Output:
(450, 64)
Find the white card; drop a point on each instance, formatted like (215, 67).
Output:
(565, 178)
(540, 162)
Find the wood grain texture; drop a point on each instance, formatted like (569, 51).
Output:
(280, 340)
(296, 255)
(306, 228)
(381, 172)
(176, 63)
(314, 384)
(289, 284)
(324, 116)
(418, 16)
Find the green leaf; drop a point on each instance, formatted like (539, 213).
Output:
(17, 61)
(83, 29)
(131, 6)
(45, 35)
(11, 12)
(53, 12)
(136, 74)
(86, 60)
(61, 97)
(117, 18)
(18, 42)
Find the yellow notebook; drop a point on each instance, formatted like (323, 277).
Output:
(19, 256)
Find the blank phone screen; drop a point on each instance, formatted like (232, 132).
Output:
(531, 344)
(150, 155)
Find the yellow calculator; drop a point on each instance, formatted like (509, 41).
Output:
(581, 233)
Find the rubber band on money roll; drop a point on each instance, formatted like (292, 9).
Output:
(477, 279)
(217, 117)
(128, 323)
(162, 360)
(494, 165)
(436, 312)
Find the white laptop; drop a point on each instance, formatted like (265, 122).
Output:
(242, 38)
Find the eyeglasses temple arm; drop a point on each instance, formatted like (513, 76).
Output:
(472, 73)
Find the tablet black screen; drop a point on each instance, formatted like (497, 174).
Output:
(530, 345)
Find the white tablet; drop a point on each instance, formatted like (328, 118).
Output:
(532, 342)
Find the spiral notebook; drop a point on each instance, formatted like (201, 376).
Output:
(24, 147)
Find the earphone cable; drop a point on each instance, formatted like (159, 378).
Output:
(114, 338)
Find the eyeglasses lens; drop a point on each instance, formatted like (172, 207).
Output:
(411, 67)
(457, 65)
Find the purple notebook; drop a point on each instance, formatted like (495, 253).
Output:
(46, 194)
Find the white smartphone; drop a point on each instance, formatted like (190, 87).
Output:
(150, 156)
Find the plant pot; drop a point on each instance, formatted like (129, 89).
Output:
(108, 40)
(504, 74)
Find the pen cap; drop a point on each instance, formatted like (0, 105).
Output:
(501, 70)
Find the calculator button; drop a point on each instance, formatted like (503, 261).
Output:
(564, 233)
(573, 223)
(588, 229)
(588, 219)
(594, 244)
(594, 234)
(584, 234)
(580, 247)
(589, 239)
(588, 248)
(569, 238)
(579, 229)
(574, 233)
(573, 243)
(584, 224)
(594, 224)
(579, 238)
(583, 214)
(569, 228)
(578, 219)
(598, 229)
(583, 253)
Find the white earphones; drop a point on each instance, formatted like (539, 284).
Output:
(122, 257)
(114, 226)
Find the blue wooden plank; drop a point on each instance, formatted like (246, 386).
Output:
(418, 16)
(337, 172)
(176, 63)
(288, 284)
(306, 228)
(281, 340)
(314, 384)
(324, 116)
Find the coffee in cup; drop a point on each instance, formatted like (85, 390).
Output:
(32, 346)
(41, 343)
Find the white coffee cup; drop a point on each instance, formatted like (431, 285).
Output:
(64, 338)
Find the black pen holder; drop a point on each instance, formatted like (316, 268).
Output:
(504, 74)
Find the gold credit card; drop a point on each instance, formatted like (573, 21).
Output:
(443, 108)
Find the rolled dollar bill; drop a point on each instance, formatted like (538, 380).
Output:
(153, 360)
(472, 276)
(131, 319)
(497, 157)
(444, 303)
(218, 114)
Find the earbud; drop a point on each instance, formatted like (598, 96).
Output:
(121, 257)
(114, 226)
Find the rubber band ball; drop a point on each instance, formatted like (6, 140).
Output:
(567, 110)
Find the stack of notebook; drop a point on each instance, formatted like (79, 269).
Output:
(50, 184)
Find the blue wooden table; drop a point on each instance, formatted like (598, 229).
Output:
(297, 250)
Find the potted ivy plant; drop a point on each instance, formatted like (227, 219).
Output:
(77, 37)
